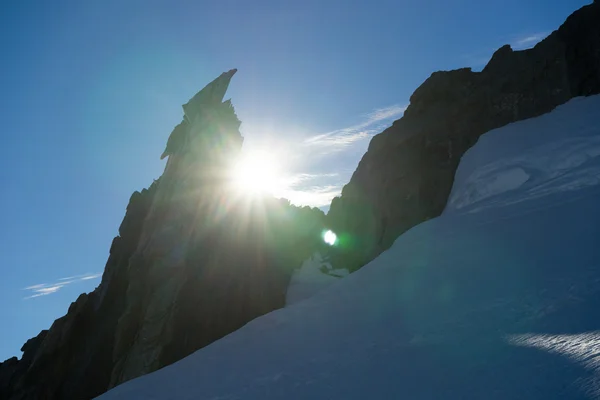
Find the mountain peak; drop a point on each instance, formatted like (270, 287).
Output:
(204, 108)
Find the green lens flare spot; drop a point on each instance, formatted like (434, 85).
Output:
(330, 238)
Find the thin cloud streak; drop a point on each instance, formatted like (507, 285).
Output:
(87, 278)
(75, 277)
(297, 179)
(341, 138)
(528, 41)
(44, 289)
(339, 146)
(317, 190)
(34, 287)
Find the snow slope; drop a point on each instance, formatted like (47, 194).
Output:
(311, 278)
(496, 299)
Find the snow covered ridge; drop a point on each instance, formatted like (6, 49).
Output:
(496, 304)
(561, 154)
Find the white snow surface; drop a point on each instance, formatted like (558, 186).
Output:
(310, 279)
(532, 158)
(498, 298)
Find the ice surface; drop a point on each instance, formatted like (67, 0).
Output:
(556, 152)
(496, 299)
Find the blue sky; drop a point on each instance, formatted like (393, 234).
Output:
(91, 91)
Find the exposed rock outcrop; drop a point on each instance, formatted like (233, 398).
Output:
(407, 173)
(193, 262)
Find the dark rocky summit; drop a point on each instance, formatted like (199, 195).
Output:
(192, 263)
(407, 173)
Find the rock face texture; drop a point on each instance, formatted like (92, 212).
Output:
(407, 173)
(193, 262)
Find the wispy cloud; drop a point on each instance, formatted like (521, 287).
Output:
(315, 190)
(44, 289)
(94, 276)
(303, 178)
(339, 139)
(315, 167)
(527, 41)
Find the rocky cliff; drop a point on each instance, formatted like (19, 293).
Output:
(193, 262)
(407, 173)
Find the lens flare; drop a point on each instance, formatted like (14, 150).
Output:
(329, 237)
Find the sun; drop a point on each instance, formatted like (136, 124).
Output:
(257, 173)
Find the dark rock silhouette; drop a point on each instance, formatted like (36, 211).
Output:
(193, 262)
(407, 173)
(194, 110)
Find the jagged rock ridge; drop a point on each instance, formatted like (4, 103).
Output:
(192, 263)
(407, 173)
